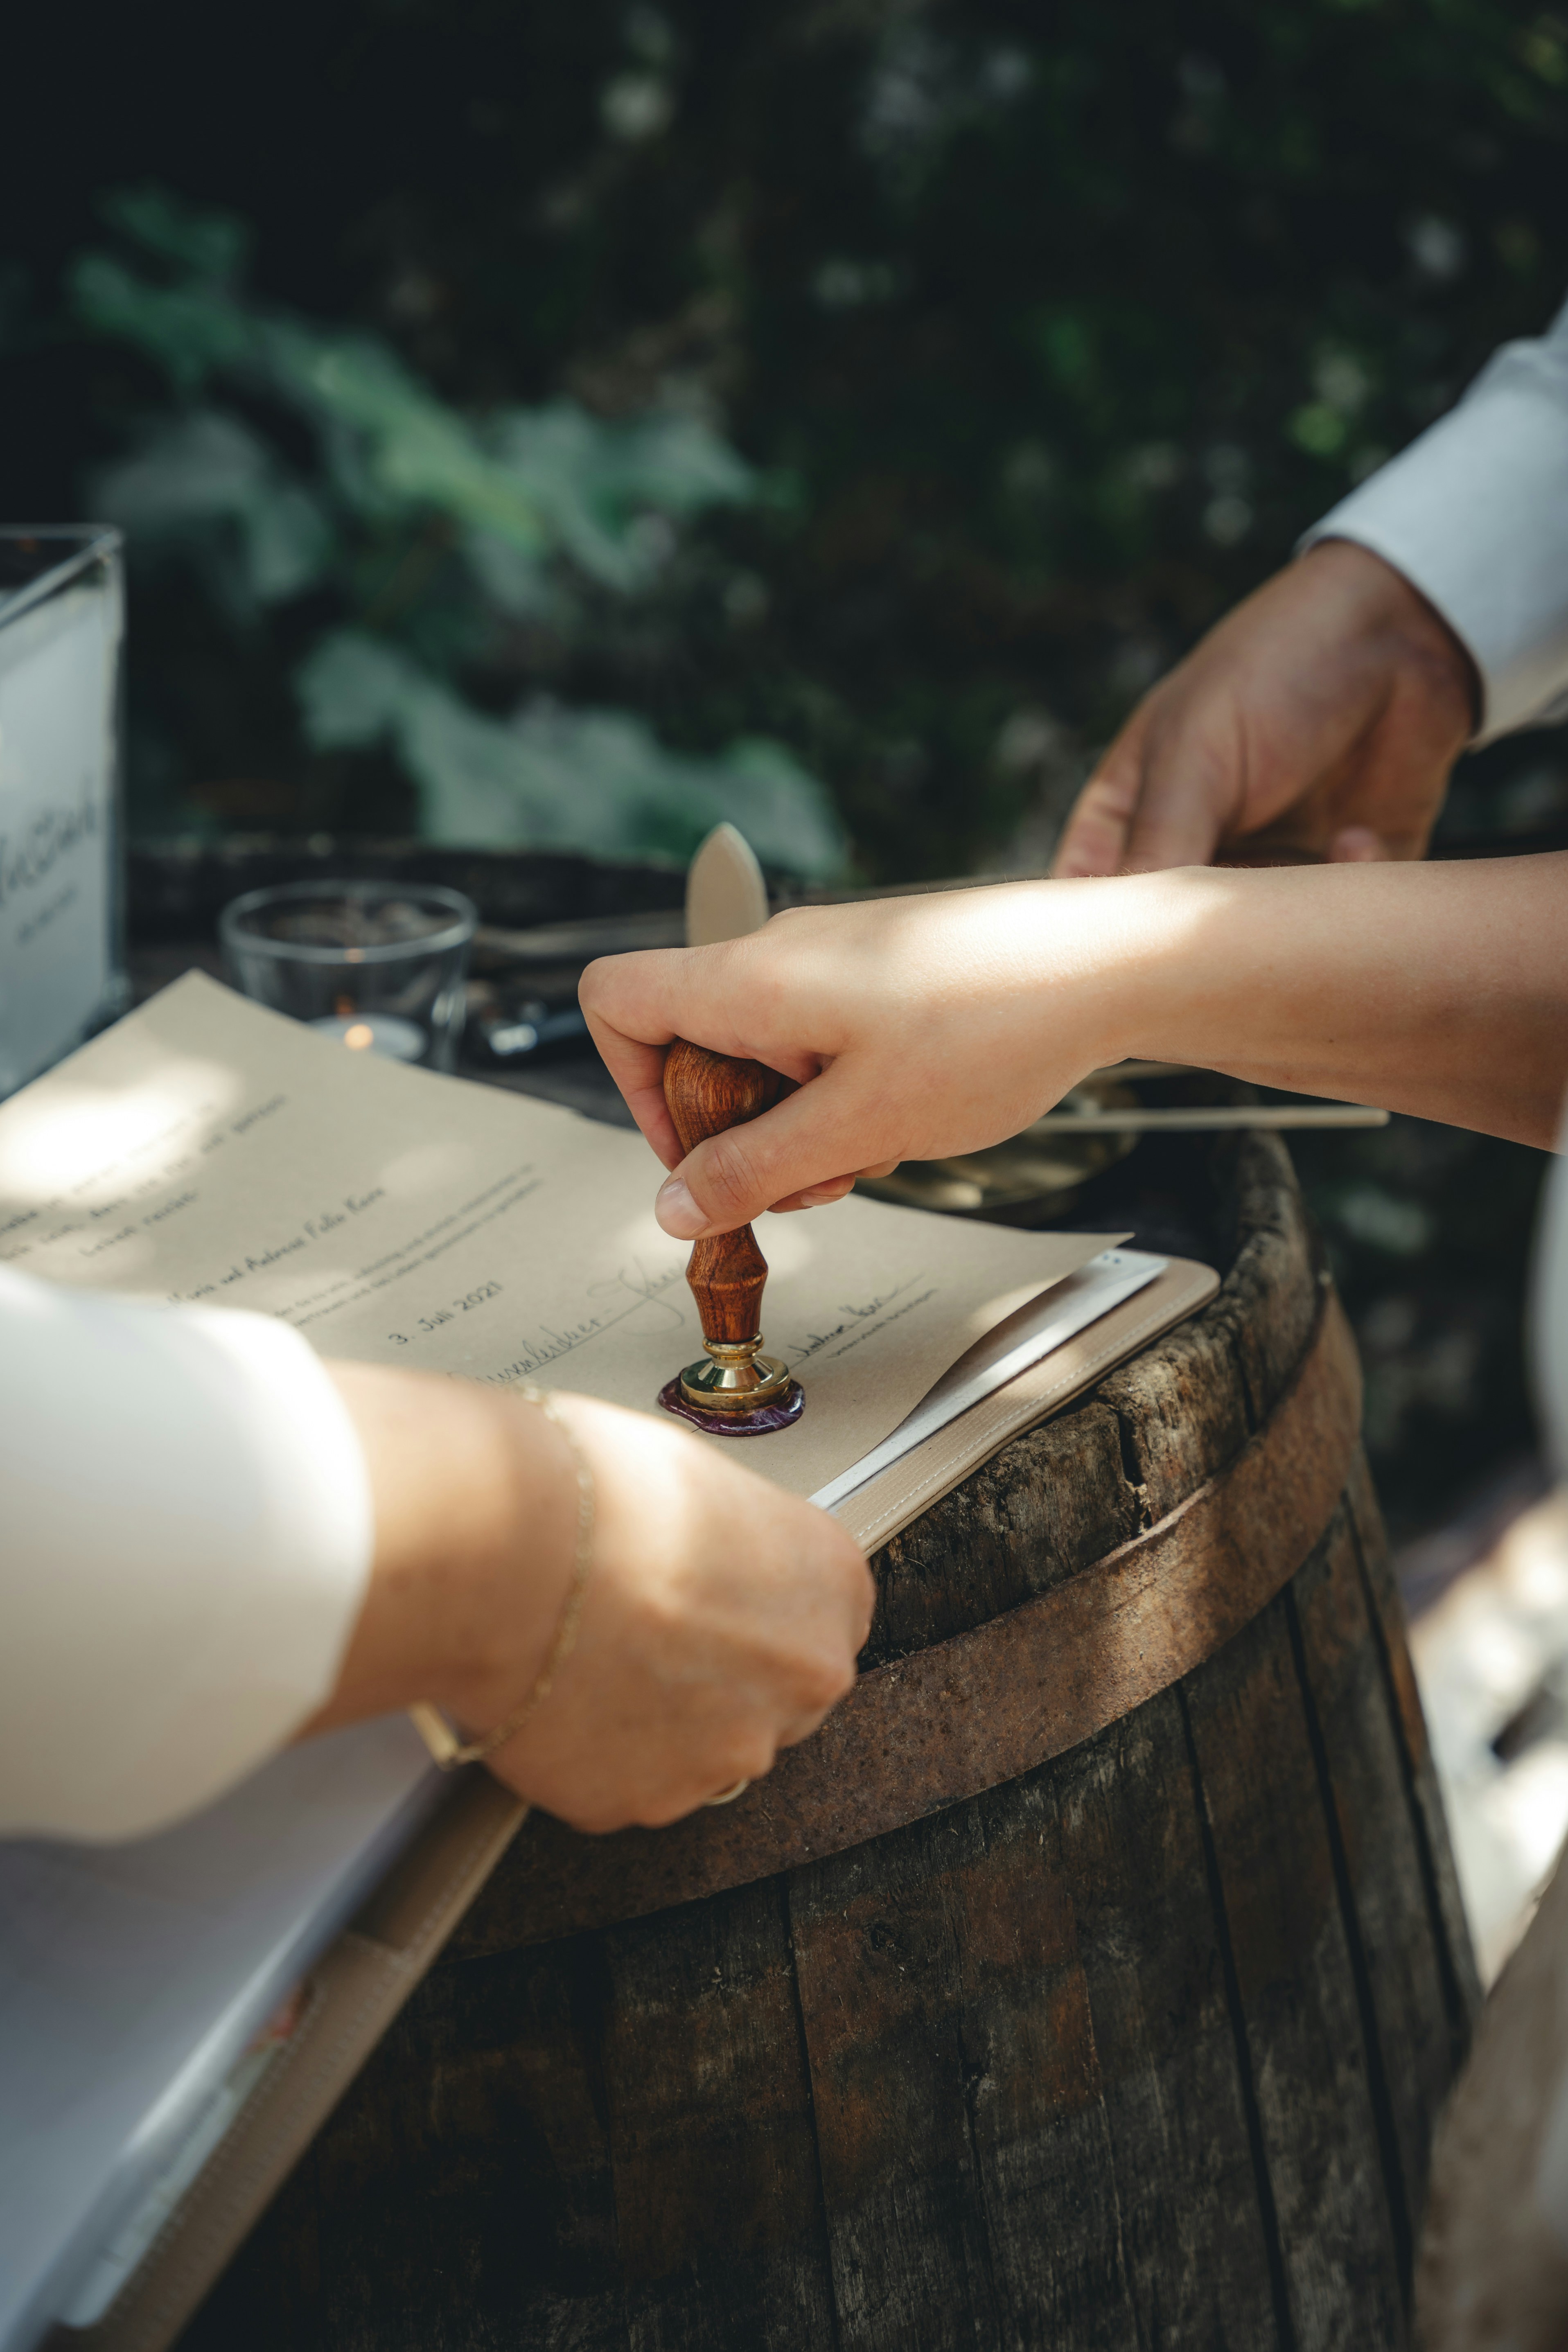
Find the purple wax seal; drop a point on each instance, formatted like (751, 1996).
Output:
(760, 1423)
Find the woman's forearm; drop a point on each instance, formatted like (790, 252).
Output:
(916, 1028)
(1440, 990)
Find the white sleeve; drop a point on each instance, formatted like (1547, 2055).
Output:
(185, 1536)
(1475, 514)
(1549, 1309)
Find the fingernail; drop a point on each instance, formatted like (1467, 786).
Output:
(677, 1211)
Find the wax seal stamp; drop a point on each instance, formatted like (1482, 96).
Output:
(733, 1391)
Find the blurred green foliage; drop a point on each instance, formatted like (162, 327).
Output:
(422, 538)
(1047, 325)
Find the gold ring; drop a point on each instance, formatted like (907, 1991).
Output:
(728, 1796)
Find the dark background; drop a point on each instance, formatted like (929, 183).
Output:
(1049, 328)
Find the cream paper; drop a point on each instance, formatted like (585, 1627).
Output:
(207, 1150)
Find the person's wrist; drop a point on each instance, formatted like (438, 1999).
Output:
(1152, 931)
(474, 1497)
(510, 1577)
(1414, 635)
(491, 1699)
(1115, 955)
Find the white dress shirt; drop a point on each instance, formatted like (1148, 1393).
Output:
(185, 1536)
(1475, 513)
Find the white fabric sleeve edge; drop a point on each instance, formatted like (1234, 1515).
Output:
(316, 1468)
(1474, 514)
(270, 1530)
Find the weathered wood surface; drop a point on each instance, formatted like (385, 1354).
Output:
(1141, 2048)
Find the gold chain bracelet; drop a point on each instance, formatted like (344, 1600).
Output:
(449, 1750)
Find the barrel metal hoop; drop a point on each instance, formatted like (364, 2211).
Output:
(987, 1706)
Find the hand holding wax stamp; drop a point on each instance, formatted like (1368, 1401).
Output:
(740, 1393)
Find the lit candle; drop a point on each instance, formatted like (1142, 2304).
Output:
(374, 1033)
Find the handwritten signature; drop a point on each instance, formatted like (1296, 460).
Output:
(859, 1322)
(632, 1291)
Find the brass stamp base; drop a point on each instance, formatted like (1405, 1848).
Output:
(759, 1421)
(734, 1391)
(734, 1380)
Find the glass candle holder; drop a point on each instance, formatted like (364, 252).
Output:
(377, 967)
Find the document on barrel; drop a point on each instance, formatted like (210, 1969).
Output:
(207, 1150)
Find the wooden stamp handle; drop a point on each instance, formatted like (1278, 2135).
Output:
(707, 1093)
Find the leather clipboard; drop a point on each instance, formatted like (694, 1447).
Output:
(361, 1983)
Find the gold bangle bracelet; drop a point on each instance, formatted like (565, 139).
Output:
(444, 1745)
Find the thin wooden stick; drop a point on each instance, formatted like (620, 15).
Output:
(1202, 1119)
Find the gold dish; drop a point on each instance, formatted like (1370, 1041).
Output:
(1029, 1177)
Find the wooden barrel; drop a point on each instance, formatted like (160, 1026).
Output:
(1092, 1980)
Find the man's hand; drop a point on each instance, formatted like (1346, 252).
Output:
(1322, 717)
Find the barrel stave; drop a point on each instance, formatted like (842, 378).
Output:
(1182, 1413)
(468, 2171)
(1399, 1939)
(718, 2199)
(1194, 2237)
(1294, 1994)
(889, 1987)
(1268, 1299)
(1446, 1905)
(1050, 1502)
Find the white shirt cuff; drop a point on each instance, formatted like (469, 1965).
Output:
(1474, 515)
(187, 1537)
